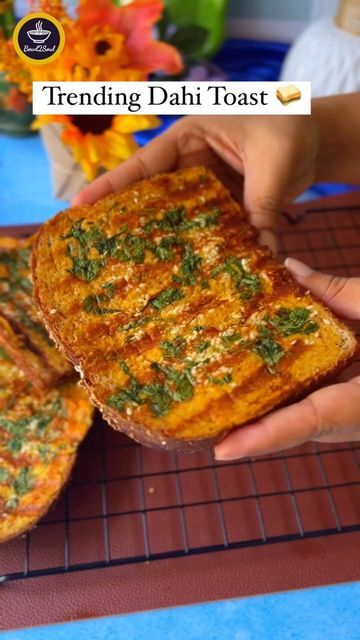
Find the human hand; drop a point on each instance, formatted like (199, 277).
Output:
(331, 414)
(264, 160)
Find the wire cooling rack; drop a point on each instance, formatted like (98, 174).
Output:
(129, 504)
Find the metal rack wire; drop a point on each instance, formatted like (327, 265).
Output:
(128, 504)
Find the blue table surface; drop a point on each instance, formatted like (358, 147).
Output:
(327, 613)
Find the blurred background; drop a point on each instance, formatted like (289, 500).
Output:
(52, 158)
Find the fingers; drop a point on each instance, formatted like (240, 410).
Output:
(333, 412)
(266, 180)
(156, 157)
(341, 294)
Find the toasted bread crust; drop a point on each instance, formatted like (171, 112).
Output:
(39, 437)
(22, 334)
(146, 293)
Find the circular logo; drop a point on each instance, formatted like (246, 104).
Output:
(38, 38)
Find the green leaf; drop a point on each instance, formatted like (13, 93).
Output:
(167, 297)
(208, 14)
(172, 349)
(4, 355)
(268, 349)
(221, 381)
(188, 40)
(290, 321)
(24, 482)
(190, 264)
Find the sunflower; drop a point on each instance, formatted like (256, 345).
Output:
(104, 42)
(99, 142)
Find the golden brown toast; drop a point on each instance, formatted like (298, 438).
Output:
(22, 333)
(39, 436)
(181, 325)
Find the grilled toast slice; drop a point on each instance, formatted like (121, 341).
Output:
(181, 325)
(39, 436)
(22, 333)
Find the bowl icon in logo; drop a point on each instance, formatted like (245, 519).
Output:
(38, 35)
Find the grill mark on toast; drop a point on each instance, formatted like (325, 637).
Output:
(220, 305)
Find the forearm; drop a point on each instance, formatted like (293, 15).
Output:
(338, 121)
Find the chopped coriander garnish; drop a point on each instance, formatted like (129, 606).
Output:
(96, 303)
(203, 346)
(135, 324)
(11, 504)
(132, 248)
(24, 482)
(190, 264)
(16, 262)
(14, 445)
(4, 474)
(44, 453)
(158, 395)
(166, 297)
(268, 349)
(230, 339)
(86, 269)
(163, 250)
(290, 321)
(175, 221)
(221, 381)
(248, 284)
(174, 348)
(182, 380)
(4, 355)
(204, 220)
(83, 267)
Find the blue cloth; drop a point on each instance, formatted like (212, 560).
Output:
(328, 613)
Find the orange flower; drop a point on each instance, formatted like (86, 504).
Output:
(135, 21)
(103, 43)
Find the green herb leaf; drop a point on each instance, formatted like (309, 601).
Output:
(231, 339)
(17, 265)
(135, 324)
(4, 355)
(24, 482)
(164, 249)
(203, 346)
(167, 297)
(11, 504)
(290, 321)
(95, 304)
(173, 349)
(14, 445)
(221, 381)
(158, 397)
(190, 264)
(270, 351)
(248, 284)
(86, 269)
(4, 475)
(132, 249)
(204, 220)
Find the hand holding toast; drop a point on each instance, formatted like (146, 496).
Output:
(264, 161)
(331, 414)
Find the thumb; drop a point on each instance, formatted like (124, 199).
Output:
(340, 294)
